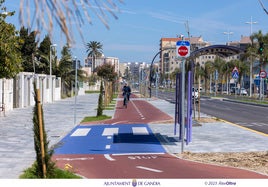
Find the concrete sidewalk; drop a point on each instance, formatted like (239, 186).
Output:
(17, 145)
(215, 136)
(16, 135)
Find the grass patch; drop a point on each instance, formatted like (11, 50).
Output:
(57, 174)
(109, 108)
(92, 91)
(95, 118)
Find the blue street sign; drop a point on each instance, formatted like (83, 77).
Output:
(183, 43)
(235, 74)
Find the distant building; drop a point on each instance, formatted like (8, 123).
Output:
(134, 71)
(100, 61)
(243, 44)
(168, 61)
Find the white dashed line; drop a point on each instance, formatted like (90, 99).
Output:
(149, 169)
(108, 157)
(139, 112)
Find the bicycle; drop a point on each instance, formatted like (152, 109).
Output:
(126, 99)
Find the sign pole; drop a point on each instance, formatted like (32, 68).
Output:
(182, 51)
(41, 131)
(182, 103)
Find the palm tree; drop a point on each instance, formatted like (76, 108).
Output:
(94, 50)
(208, 70)
(218, 65)
(227, 68)
(66, 71)
(257, 39)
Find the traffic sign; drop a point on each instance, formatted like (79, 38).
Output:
(235, 74)
(183, 48)
(182, 51)
(235, 69)
(263, 74)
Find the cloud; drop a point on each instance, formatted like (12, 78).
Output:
(130, 47)
(166, 17)
(142, 27)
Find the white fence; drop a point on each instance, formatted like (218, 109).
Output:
(18, 92)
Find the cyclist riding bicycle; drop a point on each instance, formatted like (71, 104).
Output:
(126, 93)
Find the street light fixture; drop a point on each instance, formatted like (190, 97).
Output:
(251, 63)
(228, 33)
(50, 70)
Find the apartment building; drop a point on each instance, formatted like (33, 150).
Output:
(90, 66)
(168, 58)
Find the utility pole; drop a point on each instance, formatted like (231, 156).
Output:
(228, 34)
(251, 60)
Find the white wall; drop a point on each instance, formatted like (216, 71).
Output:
(24, 90)
(6, 93)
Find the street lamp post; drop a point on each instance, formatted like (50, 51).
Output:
(251, 63)
(228, 34)
(50, 71)
(75, 96)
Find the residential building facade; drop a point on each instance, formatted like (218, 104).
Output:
(168, 57)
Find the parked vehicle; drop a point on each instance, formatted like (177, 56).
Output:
(239, 91)
(243, 91)
(195, 94)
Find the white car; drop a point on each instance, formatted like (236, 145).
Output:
(195, 94)
(243, 91)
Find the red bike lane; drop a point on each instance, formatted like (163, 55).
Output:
(143, 165)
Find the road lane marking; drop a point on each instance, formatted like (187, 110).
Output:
(140, 130)
(149, 169)
(139, 112)
(81, 132)
(119, 122)
(126, 154)
(71, 159)
(109, 131)
(142, 157)
(244, 127)
(108, 157)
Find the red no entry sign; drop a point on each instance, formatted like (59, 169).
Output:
(182, 50)
(263, 74)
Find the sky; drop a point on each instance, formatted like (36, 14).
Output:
(135, 35)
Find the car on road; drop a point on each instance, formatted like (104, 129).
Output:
(239, 91)
(243, 91)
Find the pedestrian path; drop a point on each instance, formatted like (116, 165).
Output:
(16, 136)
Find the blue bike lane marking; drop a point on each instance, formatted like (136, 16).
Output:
(109, 139)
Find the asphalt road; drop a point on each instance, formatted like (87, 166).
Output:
(249, 116)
